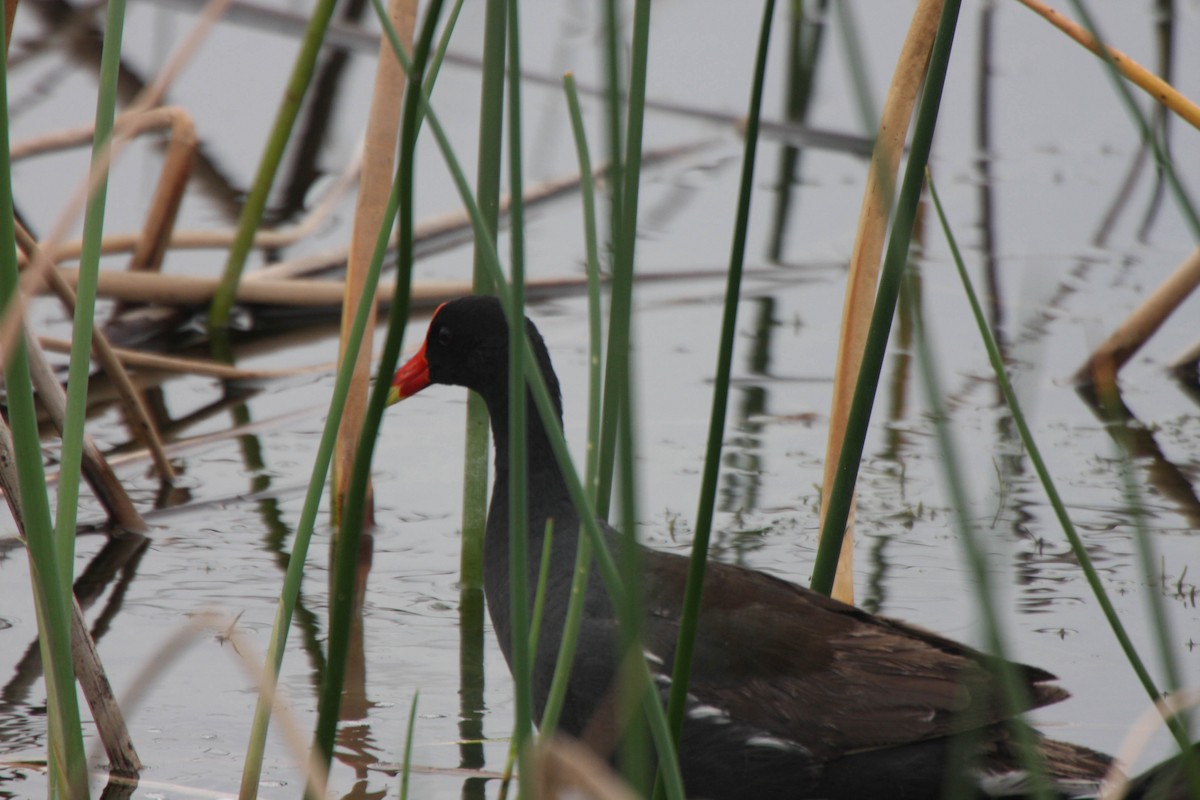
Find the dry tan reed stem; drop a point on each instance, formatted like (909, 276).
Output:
(242, 649)
(1147, 81)
(1142, 323)
(459, 221)
(865, 257)
(223, 237)
(102, 479)
(136, 414)
(114, 735)
(566, 767)
(189, 366)
(150, 245)
(33, 278)
(193, 290)
(110, 722)
(379, 151)
(1187, 358)
(172, 181)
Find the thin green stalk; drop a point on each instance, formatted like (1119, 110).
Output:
(85, 298)
(616, 380)
(537, 385)
(539, 595)
(856, 60)
(716, 429)
(293, 578)
(281, 131)
(616, 435)
(1060, 511)
(834, 529)
(587, 192)
(613, 50)
(346, 555)
(635, 684)
(518, 510)
(535, 624)
(1160, 623)
(408, 745)
(583, 555)
(252, 768)
(439, 53)
(583, 552)
(52, 597)
(1143, 125)
(1013, 689)
(487, 192)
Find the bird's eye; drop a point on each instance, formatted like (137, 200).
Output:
(445, 336)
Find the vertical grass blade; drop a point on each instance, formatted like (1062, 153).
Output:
(85, 297)
(1078, 549)
(487, 194)
(52, 596)
(716, 428)
(1014, 693)
(518, 511)
(834, 527)
(346, 555)
(583, 553)
(260, 190)
(624, 233)
(408, 745)
(613, 581)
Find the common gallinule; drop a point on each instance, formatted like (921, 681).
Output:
(792, 694)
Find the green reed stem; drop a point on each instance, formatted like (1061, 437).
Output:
(1143, 125)
(1015, 692)
(260, 190)
(312, 501)
(624, 233)
(537, 386)
(518, 511)
(1160, 622)
(52, 595)
(841, 496)
(1060, 510)
(583, 552)
(408, 745)
(347, 546)
(689, 618)
(535, 623)
(487, 192)
(85, 297)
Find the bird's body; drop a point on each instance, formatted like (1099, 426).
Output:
(792, 694)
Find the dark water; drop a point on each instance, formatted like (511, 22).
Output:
(1035, 196)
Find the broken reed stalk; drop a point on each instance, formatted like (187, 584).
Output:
(379, 157)
(443, 225)
(96, 470)
(33, 278)
(1158, 89)
(136, 415)
(190, 290)
(868, 249)
(1107, 359)
(110, 723)
(189, 366)
(220, 238)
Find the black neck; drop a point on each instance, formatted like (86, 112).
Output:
(539, 457)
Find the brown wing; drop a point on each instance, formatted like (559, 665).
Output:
(824, 674)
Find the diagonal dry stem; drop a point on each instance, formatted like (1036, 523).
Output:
(1147, 81)
(136, 414)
